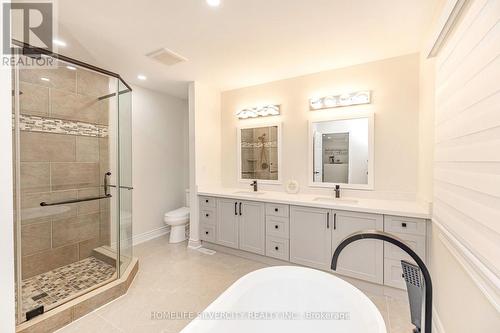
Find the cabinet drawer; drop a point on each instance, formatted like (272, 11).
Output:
(393, 274)
(277, 226)
(277, 248)
(277, 210)
(208, 233)
(416, 243)
(208, 202)
(404, 225)
(208, 216)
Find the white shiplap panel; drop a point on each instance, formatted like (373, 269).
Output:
(471, 14)
(480, 56)
(474, 35)
(477, 181)
(476, 206)
(474, 152)
(481, 86)
(482, 116)
(470, 234)
(467, 135)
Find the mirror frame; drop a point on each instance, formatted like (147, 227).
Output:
(238, 152)
(371, 151)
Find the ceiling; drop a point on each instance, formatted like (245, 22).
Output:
(240, 43)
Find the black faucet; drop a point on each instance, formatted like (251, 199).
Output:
(374, 234)
(337, 191)
(254, 184)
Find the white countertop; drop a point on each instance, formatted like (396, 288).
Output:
(389, 207)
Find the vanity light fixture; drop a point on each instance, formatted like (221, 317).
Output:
(334, 101)
(263, 111)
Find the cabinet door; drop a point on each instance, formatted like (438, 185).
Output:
(252, 227)
(227, 223)
(363, 259)
(310, 237)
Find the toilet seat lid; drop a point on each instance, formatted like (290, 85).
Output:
(179, 212)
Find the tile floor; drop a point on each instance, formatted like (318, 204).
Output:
(174, 279)
(51, 288)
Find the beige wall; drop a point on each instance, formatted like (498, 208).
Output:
(159, 155)
(395, 85)
(208, 135)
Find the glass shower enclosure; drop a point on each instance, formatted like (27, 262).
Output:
(72, 180)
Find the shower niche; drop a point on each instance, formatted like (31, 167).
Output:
(259, 153)
(72, 182)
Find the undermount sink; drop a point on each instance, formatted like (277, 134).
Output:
(337, 200)
(248, 192)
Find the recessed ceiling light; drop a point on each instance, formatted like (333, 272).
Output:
(45, 79)
(213, 3)
(59, 42)
(72, 68)
(141, 77)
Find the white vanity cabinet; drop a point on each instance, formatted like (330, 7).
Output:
(315, 234)
(241, 225)
(227, 223)
(413, 232)
(252, 227)
(363, 259)
(310, 237)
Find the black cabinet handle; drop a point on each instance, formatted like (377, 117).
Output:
(276, 209)
(206, 232)
(206, 200)
(403, 225)
(235, 208)
(276, 248)
(240, 208)
(335, 221)
(276, 226)
(328, 220)
(207, 215)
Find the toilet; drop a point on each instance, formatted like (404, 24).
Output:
(177, 220)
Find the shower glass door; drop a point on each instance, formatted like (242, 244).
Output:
(66, 157)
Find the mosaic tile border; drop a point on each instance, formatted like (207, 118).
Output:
(61, 126)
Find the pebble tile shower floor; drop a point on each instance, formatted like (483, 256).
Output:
(56, 286)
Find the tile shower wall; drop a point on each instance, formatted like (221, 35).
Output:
(63, 156)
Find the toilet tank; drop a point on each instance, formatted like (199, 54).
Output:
(187, 198)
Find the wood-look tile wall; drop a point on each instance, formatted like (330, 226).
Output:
(58, 167)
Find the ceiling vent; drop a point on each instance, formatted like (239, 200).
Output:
(166, 57)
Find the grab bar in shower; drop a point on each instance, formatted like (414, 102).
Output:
(45, 204)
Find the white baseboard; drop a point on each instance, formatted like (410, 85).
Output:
(149, 235)
(437, 325)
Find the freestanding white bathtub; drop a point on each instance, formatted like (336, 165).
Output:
(289, 299)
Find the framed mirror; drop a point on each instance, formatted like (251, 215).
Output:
(341, 152)
(259, 153)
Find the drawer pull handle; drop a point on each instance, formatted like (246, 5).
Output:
(207, 215)
(276, 248)
(276, 209)
(206, 200)
(206, 232)
(403, 225)
(276, 227)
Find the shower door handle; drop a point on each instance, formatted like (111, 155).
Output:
(106, 182)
